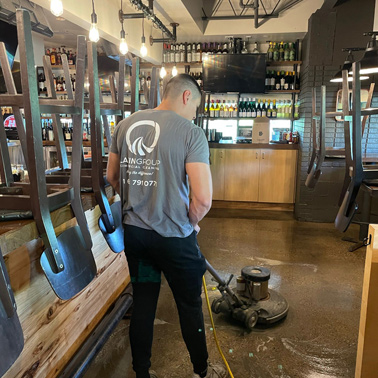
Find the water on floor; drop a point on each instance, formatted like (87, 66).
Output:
(310, 266)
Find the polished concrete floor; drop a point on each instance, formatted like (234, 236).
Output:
(311, 267)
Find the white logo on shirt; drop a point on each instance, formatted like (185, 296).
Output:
(137, 147)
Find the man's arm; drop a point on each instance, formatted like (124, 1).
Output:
(201, 190)
(112, 171)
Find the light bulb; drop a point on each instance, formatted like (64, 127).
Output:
(94, 36)
(163, 72)
(56, 7)
(143, 50)
(123, 48)
(174, 71)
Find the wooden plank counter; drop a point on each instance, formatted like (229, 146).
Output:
(55, 329)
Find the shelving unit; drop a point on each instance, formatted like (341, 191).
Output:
(283, 63)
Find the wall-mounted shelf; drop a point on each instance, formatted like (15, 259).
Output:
(284, 63)
(60, 67)
(284, 91)
(170, 65)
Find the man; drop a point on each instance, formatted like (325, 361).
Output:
(153, 154)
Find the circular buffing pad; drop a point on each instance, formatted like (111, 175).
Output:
(256, 273)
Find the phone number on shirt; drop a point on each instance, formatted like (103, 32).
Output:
(142, 182)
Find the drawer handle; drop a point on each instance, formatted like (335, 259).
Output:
(257, 155)
(263, 155)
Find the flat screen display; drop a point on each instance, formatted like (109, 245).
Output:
(244, 73)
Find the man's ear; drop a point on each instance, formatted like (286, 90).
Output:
(186, 97)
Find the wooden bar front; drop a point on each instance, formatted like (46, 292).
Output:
(55, 329)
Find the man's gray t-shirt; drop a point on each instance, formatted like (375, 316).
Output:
(154, 146)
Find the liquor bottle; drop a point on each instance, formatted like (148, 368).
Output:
(254, 112)
(263, 109)
(231, 47)
(194, 53)
(182, 53)
(199, 52)
(73, 80)
(258, 109)
(217, 109)
(279, 109)
(53, 57)
(286, 52)
(297, 81)
(287, 81)
(244, 114)
(256, 49)
(244, 49)
(235, 112)
(276, 53)
(291, 52)
(241, 107)
(50, 132)
(270, 52)
(267, 81)
(269, 110)
(172, 54)
(249, 108)
(278, 81)
(221, 110)
(227, 109)
(225, 49)
(274, 110)
(177, 54)
(281, 52)
(296, 110)
(273, 80)
(212, 109)
(41, 82)
(282, 80)
(70, 58)
(48, 53)
(44, 131)
(59, 57)
(189, 53)
(67, 134)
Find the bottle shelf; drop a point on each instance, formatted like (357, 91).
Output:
(250, 118)
(60, 67)
(284, 91)
(169, 65)
(283, 63)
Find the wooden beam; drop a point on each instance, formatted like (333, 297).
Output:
(367, 361)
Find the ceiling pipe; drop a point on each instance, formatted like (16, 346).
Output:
(148, 12)
(254, 6)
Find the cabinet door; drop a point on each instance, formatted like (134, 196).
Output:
(217, 172)
(241, 172)
(277, 176)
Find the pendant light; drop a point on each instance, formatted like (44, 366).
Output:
(56, 7)
(123, 48)
(338, 78)
(163, 71)
(174, 71)
(94, 35)
(369, 62)
(143, 48)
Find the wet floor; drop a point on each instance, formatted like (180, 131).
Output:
(310, 266)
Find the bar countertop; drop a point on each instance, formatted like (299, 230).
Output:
(269, 146)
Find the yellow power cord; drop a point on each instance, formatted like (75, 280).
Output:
(215, 333)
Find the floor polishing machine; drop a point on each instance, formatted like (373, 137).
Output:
(251, 301)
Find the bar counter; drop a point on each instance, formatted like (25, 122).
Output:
(251, 146)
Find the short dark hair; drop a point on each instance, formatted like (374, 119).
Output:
(180, 83)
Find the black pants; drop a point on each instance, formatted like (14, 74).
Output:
(148, 254)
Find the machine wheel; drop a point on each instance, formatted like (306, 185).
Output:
(216, 305)
(251, 320)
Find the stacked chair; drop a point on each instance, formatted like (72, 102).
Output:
(358, 172)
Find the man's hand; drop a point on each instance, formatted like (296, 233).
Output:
(113, 171)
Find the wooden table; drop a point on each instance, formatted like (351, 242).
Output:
(55, 329)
